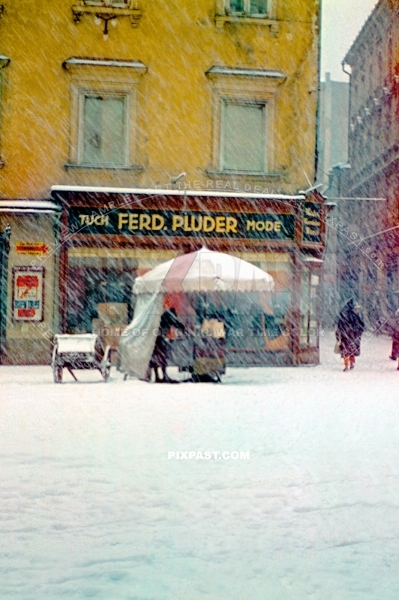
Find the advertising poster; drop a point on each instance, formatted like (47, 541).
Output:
(28, 293)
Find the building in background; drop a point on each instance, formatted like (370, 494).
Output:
(333, 294)
(332, 136)
(332, 149)
(133, 131)
(368, 220)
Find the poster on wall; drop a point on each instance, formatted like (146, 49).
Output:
(28, 293)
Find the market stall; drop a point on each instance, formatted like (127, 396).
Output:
(207, 284)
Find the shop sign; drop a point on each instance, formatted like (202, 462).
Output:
(28, 293)
(311, 222)
(260, 226)
(32, 248)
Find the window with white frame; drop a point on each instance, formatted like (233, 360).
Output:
(103, 131)
(243, 129)
(250, 8)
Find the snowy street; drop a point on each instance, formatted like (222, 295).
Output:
(92, 507)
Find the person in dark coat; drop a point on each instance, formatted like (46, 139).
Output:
(159, 356)
(350, 327)
(393, 326)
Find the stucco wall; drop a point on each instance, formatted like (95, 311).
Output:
(178, 42)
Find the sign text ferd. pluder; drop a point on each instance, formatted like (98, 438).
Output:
(138, 222)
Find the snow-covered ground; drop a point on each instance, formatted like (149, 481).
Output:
(91, 506)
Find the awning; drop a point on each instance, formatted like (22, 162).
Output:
(29, 206)
(172, 192)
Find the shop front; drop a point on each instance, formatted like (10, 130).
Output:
(110, 236)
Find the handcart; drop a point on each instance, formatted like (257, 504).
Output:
(80, 351)
(202, 356)
(209, 359)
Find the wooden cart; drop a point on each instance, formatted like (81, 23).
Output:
(202, 356)
(209, 358)
(80, 351)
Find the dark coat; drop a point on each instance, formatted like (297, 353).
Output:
(393, 328)
(169, 320)
(159, 355)
(350, 327)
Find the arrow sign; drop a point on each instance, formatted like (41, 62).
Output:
(33, 248)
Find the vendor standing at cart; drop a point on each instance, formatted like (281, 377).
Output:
(159, 356)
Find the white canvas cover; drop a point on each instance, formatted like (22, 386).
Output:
(201, 271)
(138, 340)
(204, 271)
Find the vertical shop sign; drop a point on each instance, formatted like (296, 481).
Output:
(312, 222)
(28, 293)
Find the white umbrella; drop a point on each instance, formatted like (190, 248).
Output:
(204, 271)
(201, 271)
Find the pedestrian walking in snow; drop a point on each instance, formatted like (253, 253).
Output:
(393, 327)
(350, 327)
(159, 356)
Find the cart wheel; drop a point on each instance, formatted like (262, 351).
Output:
(57, 373)
(106, 372)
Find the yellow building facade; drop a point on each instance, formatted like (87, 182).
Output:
(103, 99)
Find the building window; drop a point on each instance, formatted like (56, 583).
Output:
(247, 12)
(103, 131)
(104, 109)
(252, 8)
(244, 120)
(242, 144)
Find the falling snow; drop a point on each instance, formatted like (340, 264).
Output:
(107, 488)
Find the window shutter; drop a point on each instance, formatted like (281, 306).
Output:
(113, 127)
(243, 147)
(92, 135)
(103, 138)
